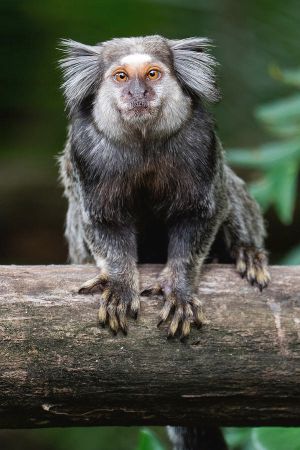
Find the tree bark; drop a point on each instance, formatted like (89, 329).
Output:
(59, 368)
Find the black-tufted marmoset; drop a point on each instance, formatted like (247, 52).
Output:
(145, 176)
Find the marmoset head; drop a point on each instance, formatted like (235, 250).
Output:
(143, 84)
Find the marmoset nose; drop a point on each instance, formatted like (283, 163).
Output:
(137, 90)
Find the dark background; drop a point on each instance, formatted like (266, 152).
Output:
(250, 37)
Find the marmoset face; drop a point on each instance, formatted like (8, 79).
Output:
(139, 85)
(139, 91)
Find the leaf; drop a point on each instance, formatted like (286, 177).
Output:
(278, 187)
(265, 156)
(148, 441)
(284, 110)
(285, 130)
(287, 76)
(275, 438)
(236, 438)
(262, 191)
(291, 77)
(292, 258)
(285, 190)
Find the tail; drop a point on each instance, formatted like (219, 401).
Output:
(196, 438)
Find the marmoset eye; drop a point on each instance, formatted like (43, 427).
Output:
(153, 74)
(121, 77)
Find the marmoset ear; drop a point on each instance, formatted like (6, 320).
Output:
(81, 70)
(194, 67)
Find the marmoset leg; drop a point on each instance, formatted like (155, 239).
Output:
(244, 232)
(200, 438)
(114, 249)
(74, 233)
(189, 241)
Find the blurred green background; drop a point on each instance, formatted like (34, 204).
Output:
(257, 45)
(250, 37)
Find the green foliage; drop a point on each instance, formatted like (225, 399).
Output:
(264, 438)
(237, 438)
(276, 439)
(90, 438)
(278, 162)
(86, 438)
(148, 441)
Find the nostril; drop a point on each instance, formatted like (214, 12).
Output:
(145, 93)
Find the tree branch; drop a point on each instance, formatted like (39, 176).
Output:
(59, 368)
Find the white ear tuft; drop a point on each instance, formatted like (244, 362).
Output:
(81, 70)
(194, 67)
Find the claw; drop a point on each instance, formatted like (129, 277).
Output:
(252, 263)
(159, 323)
(166, 309)
(152, 290)
(123, 326)
(178, 315)
(262, 278)
(135, 315)
(186, 328)
(113, 323)
(102, 313)
(241, 267)
(147, 292)
(122, 310)
(197, 312)
(135, 306)
(97, 283)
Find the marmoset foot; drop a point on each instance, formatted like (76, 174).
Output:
(118, 299)
(252, 263)
(183, 307)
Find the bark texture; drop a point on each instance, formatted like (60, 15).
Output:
(59, 368)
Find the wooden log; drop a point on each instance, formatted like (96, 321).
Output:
(59, 368)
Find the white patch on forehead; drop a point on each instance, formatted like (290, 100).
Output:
(135, 59)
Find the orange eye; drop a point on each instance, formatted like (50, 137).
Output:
(120, 77)
(153, 74)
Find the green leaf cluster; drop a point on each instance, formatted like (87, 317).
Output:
(148, 441)
(277, 161)
(264, 438)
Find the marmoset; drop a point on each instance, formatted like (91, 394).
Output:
(146, 181)
(143, 157)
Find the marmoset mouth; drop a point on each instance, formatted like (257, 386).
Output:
(138, 110)
(138, 105)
